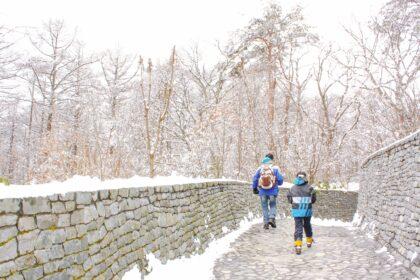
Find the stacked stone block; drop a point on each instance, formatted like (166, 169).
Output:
(102, 234)
(389, 199)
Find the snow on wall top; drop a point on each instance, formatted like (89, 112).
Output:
(391, 146)
(87, 184)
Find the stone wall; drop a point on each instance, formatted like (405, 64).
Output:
(104, 233)
(389, 199)
(330, 204)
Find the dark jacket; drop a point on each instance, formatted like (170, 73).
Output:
(301, 197)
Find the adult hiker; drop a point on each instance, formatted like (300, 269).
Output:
(266, 182)
(302, 195)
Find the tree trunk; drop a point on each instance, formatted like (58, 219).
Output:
(29, 137)
(151, 165)
(10, 154)
(270, 97)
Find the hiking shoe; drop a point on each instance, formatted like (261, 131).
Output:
(309, 241)
(298, 247)
(265, 226)
(272, 222)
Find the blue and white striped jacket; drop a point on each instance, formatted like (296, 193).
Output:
(301, 197)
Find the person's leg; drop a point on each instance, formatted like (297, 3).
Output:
(298, 235)
(298, 228)
(273, 207)
(308, 230)
(264, 205)
(307, 226)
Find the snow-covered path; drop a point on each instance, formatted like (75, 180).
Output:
(338, 253)
(198, 264)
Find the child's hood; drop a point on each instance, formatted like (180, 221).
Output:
(299, 181)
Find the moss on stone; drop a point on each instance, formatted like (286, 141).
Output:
(52, 228)
(6, 241)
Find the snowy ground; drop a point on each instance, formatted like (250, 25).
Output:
(340, 251)
(202, 266)
(331, 223)
(190, 268)
(85, 183)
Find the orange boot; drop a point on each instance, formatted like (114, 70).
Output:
(309, 241)
(298, 247)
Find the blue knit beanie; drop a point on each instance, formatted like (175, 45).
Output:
(267, 160)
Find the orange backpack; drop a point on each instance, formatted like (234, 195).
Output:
(266, 177)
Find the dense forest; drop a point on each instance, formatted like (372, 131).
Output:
(277, 87)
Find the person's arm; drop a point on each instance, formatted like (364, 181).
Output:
(289, 196)
(279, 177)
(313, 195)
(255, 180)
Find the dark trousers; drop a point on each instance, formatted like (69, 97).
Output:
(300, 224)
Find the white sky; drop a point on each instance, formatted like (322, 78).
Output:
(152, 27)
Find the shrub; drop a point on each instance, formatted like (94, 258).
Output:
(4, 181)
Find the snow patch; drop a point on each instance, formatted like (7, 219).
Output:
(369, 228)
(330, 223)
(382, 250)
(196, 241)
(133, 274)
(353, 186)
(87, 184)
(338, 186)
(197, 266)
(286, 185)
(413, 257)
(357, 220)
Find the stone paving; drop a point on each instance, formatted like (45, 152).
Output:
(337, 253)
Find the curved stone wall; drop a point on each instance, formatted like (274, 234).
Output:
(389, 199)
(330, 204)
(104, 233)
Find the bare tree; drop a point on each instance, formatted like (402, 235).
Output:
(62, 114)
(388, 65)
(53, 70)
(8, 102)
(155, 112)
(83, 85)
(337, 103)
(8, 59)
(271, 40)
(119, 72)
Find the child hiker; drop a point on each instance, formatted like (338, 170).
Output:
(266, 183)
(301, 195)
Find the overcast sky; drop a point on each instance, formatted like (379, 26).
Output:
(152, 27)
